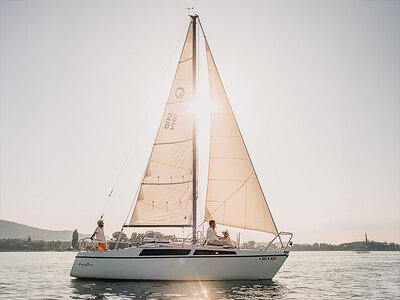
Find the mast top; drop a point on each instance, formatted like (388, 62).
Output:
(189, 9)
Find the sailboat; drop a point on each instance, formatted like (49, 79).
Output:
(168, 194)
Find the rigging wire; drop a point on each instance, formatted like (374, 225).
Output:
(140, 129)
(202, 30)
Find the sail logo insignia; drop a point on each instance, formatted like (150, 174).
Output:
(179, 92)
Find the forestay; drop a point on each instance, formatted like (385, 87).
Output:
(234, 195)
(165, 196)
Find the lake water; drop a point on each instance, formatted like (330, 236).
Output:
(305, 275)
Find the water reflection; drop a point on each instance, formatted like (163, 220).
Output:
(98, 289)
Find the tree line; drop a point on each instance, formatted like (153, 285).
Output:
(29, 245)
(370, 246)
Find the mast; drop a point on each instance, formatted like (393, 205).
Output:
(194, 61)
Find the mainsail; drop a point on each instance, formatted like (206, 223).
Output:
(165, 197)
(234, 195)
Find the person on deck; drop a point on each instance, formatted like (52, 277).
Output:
(100, 237)
(213, 239)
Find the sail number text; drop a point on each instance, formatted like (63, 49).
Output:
(171, 121)
(267, 258)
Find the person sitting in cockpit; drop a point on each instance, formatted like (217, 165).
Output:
(213, 239)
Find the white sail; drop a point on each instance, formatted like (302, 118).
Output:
(165, 196)
(234, 195)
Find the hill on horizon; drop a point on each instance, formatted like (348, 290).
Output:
(13, 230)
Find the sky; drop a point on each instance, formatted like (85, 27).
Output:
(314, 86)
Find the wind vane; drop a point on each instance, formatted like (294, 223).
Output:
(189, 9)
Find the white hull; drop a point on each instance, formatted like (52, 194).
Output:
(127, 264)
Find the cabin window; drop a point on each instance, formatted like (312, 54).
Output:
(213, 252)
(157, 252)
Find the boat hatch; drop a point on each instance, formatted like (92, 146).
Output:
(213, 252)
(157, 252)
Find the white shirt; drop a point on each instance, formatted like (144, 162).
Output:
(100, 235)
(210, 237)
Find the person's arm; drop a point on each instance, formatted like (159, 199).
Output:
(93, 235)
(219, 237)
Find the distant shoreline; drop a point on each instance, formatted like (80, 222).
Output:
(28, 245)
